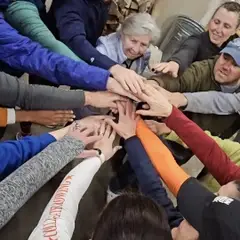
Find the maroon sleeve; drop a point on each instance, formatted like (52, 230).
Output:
(204, 147)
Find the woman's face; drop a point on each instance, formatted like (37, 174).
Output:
(135, 46)
(222, 26)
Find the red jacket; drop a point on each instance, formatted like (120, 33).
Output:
(204, 147)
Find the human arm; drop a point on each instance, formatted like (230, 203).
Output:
(213, 102)
(71, 27)
(71, 189)
(14, 153)
(72, 32)
(205, 148)
(181, 59)
(148, 179)
(42, 167)
(187, 52)
(35, 173)
(192, 80)
(23, 54)
(15, 92)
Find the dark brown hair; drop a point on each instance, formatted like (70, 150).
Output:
(231, 7)
(132, 217)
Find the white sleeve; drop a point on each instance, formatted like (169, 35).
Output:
(11, 116)
(58, 219)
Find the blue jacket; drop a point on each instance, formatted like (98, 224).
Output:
(148, 179)
(79, 24)
(23, 54)
(14, 153)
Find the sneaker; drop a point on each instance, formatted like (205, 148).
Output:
(111, 195)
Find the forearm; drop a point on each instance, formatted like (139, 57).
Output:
(161, 158)
(23, 54)
(186, 53)
(36, 97)
(15, 191)
(14, 153)
(206, 149)
(213, 103)
(149, 181)
(71, 189)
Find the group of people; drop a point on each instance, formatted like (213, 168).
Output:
(192, 101)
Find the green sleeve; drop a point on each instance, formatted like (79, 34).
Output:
(195, 78)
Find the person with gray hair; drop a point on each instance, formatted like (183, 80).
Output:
(129, 46)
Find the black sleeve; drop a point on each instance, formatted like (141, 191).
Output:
(187, 52)
(215, 217)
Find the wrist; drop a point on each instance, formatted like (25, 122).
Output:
(88, 98)
(24, 116)
(59, 134)
(127, 136)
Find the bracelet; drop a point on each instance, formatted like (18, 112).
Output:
(100, 155)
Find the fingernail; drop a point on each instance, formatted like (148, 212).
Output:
(74, 116)
(71, 120)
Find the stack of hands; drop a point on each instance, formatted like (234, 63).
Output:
(100, 131)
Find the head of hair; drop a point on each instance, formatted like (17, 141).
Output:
(230, 7)
(132, 217)
(140, 24)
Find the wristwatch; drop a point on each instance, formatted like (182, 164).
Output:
(100, 155)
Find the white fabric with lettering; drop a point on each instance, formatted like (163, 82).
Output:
(58, 219)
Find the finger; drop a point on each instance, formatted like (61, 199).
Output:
(138, 83)
(112, 135)
(121, 109)
(144, 97)
(107, 131)
(160, 67)
(145, 113)
(100, 117)
(86, 131)
(88, 153)
(92, 139)
(175, 74)
(124, 85)
(132, 85)
(102, 128)
(112, 124)
(63, 112)
(166, 69)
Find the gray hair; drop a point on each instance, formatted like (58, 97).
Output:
(140, 24)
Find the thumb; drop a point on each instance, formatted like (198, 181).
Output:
(88, 153)
(174, 74)
(144, 112)
(111, 123)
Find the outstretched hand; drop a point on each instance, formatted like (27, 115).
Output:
(128, 78)
(157, 104)
(126, 126)
(115, 86)
(105, 144)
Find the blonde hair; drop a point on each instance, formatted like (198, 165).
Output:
(140, 24)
